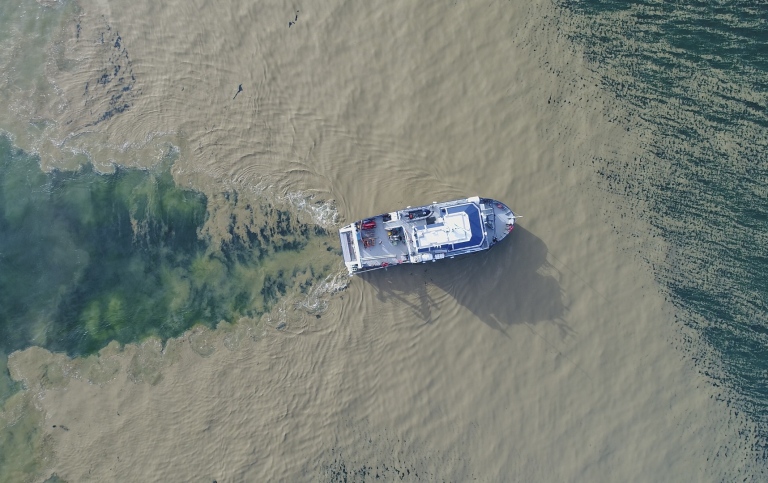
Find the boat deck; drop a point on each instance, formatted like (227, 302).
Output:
(375, 244)
(436, 231)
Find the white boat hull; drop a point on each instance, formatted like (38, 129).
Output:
(425, 233)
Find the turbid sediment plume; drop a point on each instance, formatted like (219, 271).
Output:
(549, 358)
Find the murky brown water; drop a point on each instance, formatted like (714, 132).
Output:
(549, 358)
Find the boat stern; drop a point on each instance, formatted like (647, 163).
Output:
(349, 248)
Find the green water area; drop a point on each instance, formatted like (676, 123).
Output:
(86, 258)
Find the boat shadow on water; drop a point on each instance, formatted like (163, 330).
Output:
(512, 283)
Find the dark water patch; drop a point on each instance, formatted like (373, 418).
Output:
(696, 73)
(382, 456)
(338, 471)
(54, 478)
(7, 385)
(86, 258)
(112, 89)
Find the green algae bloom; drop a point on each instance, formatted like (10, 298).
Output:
(86, 258)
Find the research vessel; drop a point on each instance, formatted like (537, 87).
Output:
(425, 233)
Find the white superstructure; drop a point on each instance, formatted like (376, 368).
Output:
(425, 233)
